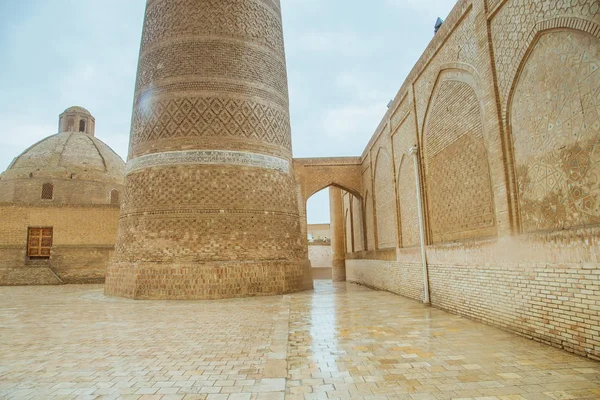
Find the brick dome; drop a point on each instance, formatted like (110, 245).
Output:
(81, 169)
(76, 110)
(69, 155)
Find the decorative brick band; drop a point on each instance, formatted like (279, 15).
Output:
(211, 157)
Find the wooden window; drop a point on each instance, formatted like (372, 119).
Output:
(114, 197)
(39, 242)
(47, 191)
(82, 126)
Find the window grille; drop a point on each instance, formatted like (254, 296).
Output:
(47, 191)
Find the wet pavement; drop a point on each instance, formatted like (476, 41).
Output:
(341, 341)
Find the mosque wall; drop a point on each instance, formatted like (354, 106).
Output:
(82, 243)
(504, 107)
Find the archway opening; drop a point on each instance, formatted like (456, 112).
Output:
(335, 230)
(318, 232)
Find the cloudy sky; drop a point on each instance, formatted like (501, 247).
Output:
(346, 61)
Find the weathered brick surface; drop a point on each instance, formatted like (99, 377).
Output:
(83, 243)
(558, 156)
(81, 168)
(458, 179)
(385, 201)
(210, 280)
(221, 223)
(543, 286)
(504, 107)
(357, 228)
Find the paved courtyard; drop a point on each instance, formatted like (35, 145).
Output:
(341, 341)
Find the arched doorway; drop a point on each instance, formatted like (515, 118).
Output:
(334, 221)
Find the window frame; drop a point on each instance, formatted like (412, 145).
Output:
(43, 234)
(44, 190)
(111, 197)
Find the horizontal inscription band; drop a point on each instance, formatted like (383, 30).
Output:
(208, 157)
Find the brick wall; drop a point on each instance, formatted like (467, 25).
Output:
(357, 224)
(197, 223)
(83, 243)
(504, 107)
(385, 201)
(544, 286)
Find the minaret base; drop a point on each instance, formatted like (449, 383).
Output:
(208, 280)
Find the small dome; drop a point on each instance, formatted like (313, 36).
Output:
(77, 119)
(68, 153)
(82, 168)
(76, 110)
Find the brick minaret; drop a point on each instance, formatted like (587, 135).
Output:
(210, 208)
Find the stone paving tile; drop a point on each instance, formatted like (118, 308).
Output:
(341, 341)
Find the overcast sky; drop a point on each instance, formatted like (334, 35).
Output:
(346, 61)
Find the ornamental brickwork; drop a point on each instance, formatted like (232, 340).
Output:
(504, 107)
(210, 207)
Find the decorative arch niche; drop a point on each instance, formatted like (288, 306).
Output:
(458, 180)
(407, 203)
(357, 224)
(385, 201)
(554, 121)
(115, 197)
(369, 221)
(348, 231)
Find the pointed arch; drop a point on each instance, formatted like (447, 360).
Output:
(358, 224)
(408, 216)
(385, 200)
(348, 232)
(369, 221)
(553, 129)
(115, 197)
(460, 198)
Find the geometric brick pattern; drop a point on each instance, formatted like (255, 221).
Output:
(217, 117)
(169, 19)
(458, 178)
(268, 190)
(513, 23)
(555, 123)
(207, 211)
(241, 63)
(461, 46)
